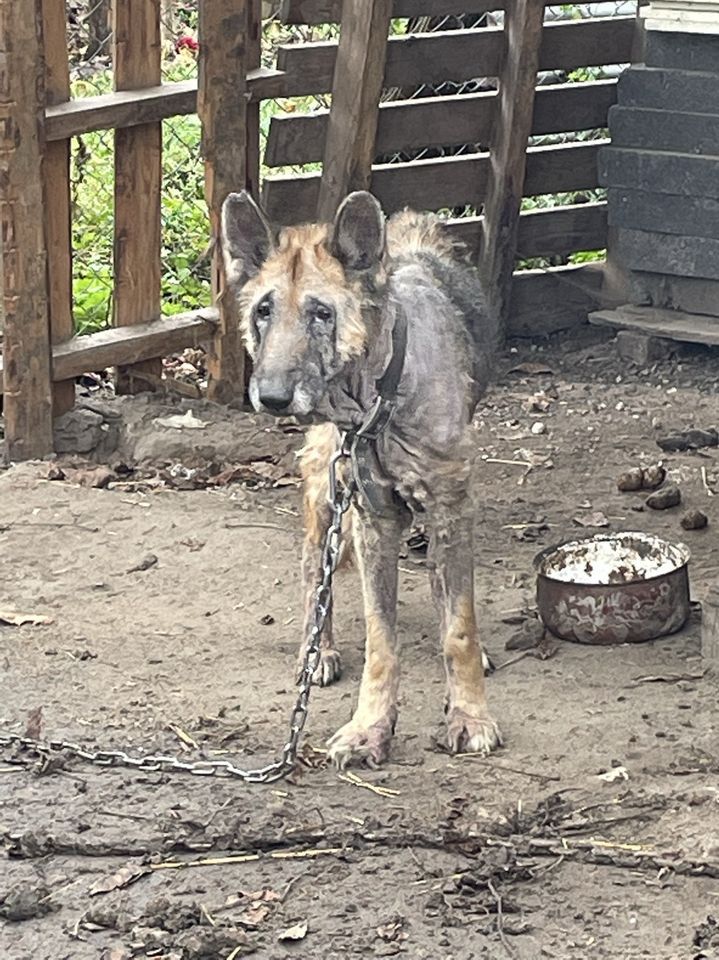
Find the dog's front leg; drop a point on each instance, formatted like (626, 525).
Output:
(368, 735)
(470, 726)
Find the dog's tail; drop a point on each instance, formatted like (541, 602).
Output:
(410, 233)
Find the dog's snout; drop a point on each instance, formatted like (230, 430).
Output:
(274, 396)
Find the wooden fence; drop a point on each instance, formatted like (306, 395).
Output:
(41, 355)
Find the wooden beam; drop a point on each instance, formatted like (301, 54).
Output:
(523, 26)
(467, 118)
(129, 345)
(656, 322)
(441, 184)
(26, 346)
(222, 108)
(356, 89)
(460, 55)
(137, 55)
(129, 108)
(313, 12)
(56, 179)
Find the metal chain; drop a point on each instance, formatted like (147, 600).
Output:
(340, 499)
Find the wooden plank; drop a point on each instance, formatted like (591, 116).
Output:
(352, 124)
(547, 301)
(508, 156)
(441, 184)
(411, 124)
(683, 90)
(26, 345)
(688, 294)
(681, 256)
(129, 108)
(664, 213)
(710, 629)
(460, 55)
(313, 12)
(56, 179)
(690, 52)
(138, 180)
(671, 324)
(556, 231)
(129, 345)
(222, 109)
(666, 173)
(695, 133)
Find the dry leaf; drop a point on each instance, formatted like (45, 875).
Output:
(255, 915)
(298, 931)
(596, 519)
(33, 729)
(18, 619)
(123, 878)
(533, 369)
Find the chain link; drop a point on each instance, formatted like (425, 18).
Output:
(340, 499)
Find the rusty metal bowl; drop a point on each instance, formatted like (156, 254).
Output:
(613, 588)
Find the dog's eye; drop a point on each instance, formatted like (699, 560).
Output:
(323, 313)
(263, 311)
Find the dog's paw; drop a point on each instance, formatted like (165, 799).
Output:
(329, 668)
(470, 734)
(362, 744)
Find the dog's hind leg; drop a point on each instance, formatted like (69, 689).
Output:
(469, 724)
(322, 443)
(368, 735)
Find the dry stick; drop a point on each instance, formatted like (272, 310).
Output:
(500, 766)
(500, 922)
(259, 526)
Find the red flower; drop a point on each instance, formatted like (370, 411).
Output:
(186, 42)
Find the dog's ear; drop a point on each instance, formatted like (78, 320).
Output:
(246, 238)
(358, 233)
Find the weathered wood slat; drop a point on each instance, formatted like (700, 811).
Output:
(411, 124)
(129, 345)
(667, 253)
(313, 12)
(556, 231)
(462, 54)
(694, 52)
(26, 346)
(546, 301)
(666, 129)
(683, 174)
(508, 156)
(56, 180)
(689, 294)
(222, 108)
(671, 324)
(684, 90)
(664, 213)
(441, 184)
(352, 123)
(129, 108)
(137, 55)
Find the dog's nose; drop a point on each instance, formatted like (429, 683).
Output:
(274, 396)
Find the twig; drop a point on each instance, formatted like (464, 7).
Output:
(500, 919)
(503, 766)
(359, 782)
(184, 738)
(508, 663)
(666, 678)
(242, 525)
(510, 463)
(16, 769)
(236, 952)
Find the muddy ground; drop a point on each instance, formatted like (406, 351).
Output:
(533, 852)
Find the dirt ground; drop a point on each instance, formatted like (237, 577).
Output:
(594, 832)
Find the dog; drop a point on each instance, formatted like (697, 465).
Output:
(320, 309)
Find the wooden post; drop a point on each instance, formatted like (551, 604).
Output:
(26, 360)
(222, 106)
(137, 55)
(56, 178)
(523, 26)
(356, 90)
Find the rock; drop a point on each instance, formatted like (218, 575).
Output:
(653, 477)
(694, 520)
(631, 480)
(539, 428)
(689, 440)
(669, 496)
(78, 431)
(640, 349)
